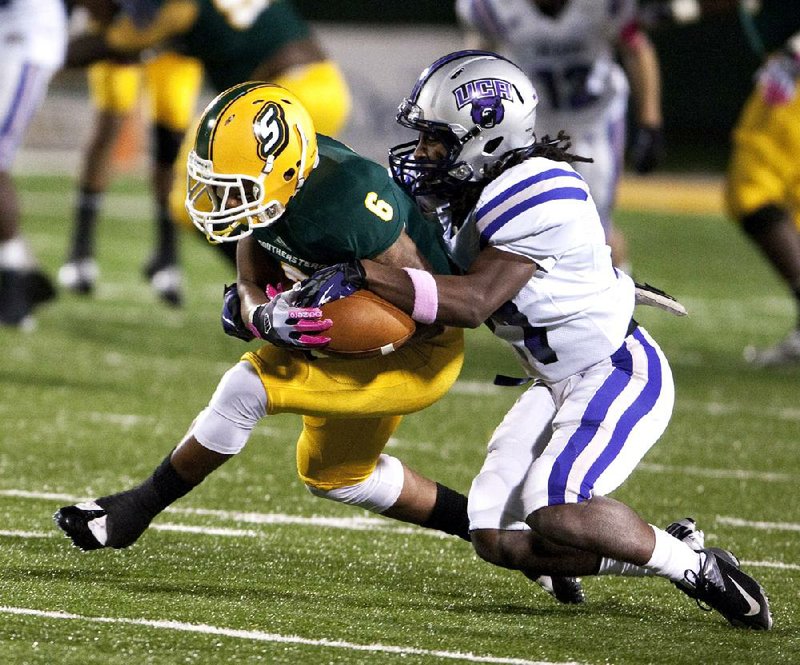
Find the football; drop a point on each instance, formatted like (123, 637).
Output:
(365, 325)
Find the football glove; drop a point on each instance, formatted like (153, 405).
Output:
(652, 297)
(232, 323)
(777, 78)
(283, 323)
(647, 149)
(332, 283)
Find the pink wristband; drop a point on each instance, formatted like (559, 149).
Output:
(426, 295)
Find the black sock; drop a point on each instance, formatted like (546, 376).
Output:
(166, 253)
(449, 514)
(86, 212)
(130, 512)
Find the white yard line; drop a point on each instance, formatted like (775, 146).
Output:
(259, 636)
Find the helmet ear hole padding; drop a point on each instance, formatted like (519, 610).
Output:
(492, 145)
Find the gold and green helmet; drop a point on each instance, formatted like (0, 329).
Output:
(254, 148)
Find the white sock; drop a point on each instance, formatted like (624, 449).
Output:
(671, 557)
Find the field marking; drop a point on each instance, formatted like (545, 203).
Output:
(259, 636)
(763, 526)
(738, 474)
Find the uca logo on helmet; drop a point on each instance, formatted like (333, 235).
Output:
(271, 131)
(486, 97)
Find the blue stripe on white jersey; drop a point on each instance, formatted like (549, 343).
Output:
(510, 203)
(596, 417)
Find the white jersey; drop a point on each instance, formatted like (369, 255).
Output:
(34, 31)
(576, 309)
(33, 41)
(569, 57)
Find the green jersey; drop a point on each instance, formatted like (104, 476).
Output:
(231, 39)
(348, 208)
(771, 25)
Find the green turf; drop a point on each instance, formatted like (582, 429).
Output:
(95, 397)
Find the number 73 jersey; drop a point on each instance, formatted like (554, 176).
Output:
(569, 56)
(576, 309)
(348, 208)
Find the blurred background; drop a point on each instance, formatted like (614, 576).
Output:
(707, 71)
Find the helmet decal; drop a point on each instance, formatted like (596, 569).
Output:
(271, 131)
(486, 96)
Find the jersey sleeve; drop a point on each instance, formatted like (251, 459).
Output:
(540, 210)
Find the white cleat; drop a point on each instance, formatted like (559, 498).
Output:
(79, 276)
(786, 352)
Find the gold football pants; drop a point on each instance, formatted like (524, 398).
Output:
(351, 406)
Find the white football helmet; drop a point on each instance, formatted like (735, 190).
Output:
(480, 106)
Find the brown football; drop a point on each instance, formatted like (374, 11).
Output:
(364, 325)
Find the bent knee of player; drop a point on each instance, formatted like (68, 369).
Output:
(237, 404)
(377, 493)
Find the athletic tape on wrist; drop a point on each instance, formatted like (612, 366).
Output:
(426, 295)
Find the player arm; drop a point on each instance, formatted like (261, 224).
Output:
(123, 39)
(254, 270)
(466, 300)
(639, 58)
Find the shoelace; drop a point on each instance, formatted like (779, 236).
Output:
(696, 580)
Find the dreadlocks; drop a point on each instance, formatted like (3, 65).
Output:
(556, 149)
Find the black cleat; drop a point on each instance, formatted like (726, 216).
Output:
(567, 590)
(723, 586)
(84, 524)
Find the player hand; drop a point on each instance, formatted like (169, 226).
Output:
(777, 78)
(283, 323)
(647, 149)
(232, 323)
(332, 283)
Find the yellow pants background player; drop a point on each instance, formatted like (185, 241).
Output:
(763, 180)
(171, 84)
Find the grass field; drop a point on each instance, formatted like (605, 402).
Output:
(250, 568)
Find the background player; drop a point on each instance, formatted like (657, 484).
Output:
(33, 36)
(521, 224)
(172, 82)
(568, 49)
(235, 43)
(763, 176)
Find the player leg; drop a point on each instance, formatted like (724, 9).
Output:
(174, 83)
(408, 380)
(762, 194)
(496, 511)
(607, 419)
(219, 432)
(22, 285)
(114, 91)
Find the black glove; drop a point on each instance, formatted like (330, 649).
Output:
(332, 283)
(647, 149)
(232, 323)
